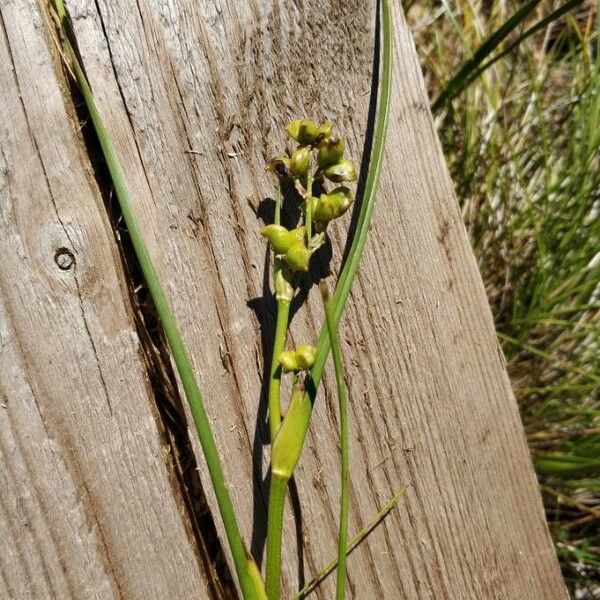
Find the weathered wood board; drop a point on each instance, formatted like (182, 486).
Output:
(89, 504)
(431, 403)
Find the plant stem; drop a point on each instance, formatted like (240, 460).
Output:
(278, 204)
(285, 451)
(277, 492)
(283, 314)
(279, 482)
(308, 205)
(345, 473)
(168, 322)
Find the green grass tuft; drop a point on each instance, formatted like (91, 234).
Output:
(519, 119)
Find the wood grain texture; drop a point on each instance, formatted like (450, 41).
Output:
(89, 505)
(431, 406)
(431, 402)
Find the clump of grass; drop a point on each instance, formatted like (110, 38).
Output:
(522, 142)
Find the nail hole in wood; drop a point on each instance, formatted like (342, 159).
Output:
(64, 258)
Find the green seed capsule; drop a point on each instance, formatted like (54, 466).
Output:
(279, 237)
(303, 131)
(305, 356)
(341, 171)
(288, 361)
(300, 161)
(333, 205)
(330, 152)
(325, 130)
(298, 257)
(280, 165)
(299, 233)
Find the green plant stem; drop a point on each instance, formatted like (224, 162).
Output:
(308, 205)
(279, 482)
(168, 322)
(277, 492)
(281, 326)
(257, 580)
(277, 219)
(285, 451)
(345, 472)
(288, 443)
(283, 314)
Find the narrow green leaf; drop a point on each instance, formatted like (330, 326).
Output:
(167, 319)
(473, 68)
(553, 16)
(312, 585)
(564, 464)
(343, 415)
(458, 82)
(367, 205)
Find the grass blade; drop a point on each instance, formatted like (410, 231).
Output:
(350, 267)
(457, 83)
(521, 142)
(564, 464)
(553, 16)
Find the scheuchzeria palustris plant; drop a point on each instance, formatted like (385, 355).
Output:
(317, 161)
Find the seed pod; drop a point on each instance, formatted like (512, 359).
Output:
(279, 237)
(305, 356)
(333, 205)
(330, 152)
(325, 130)
(303, 131)
(299, 233)
(280, 165)
(300, 161)
(298, 256)
(288, 361)
(341, 171)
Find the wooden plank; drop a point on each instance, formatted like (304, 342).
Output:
(431, 402)
(89, 504)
